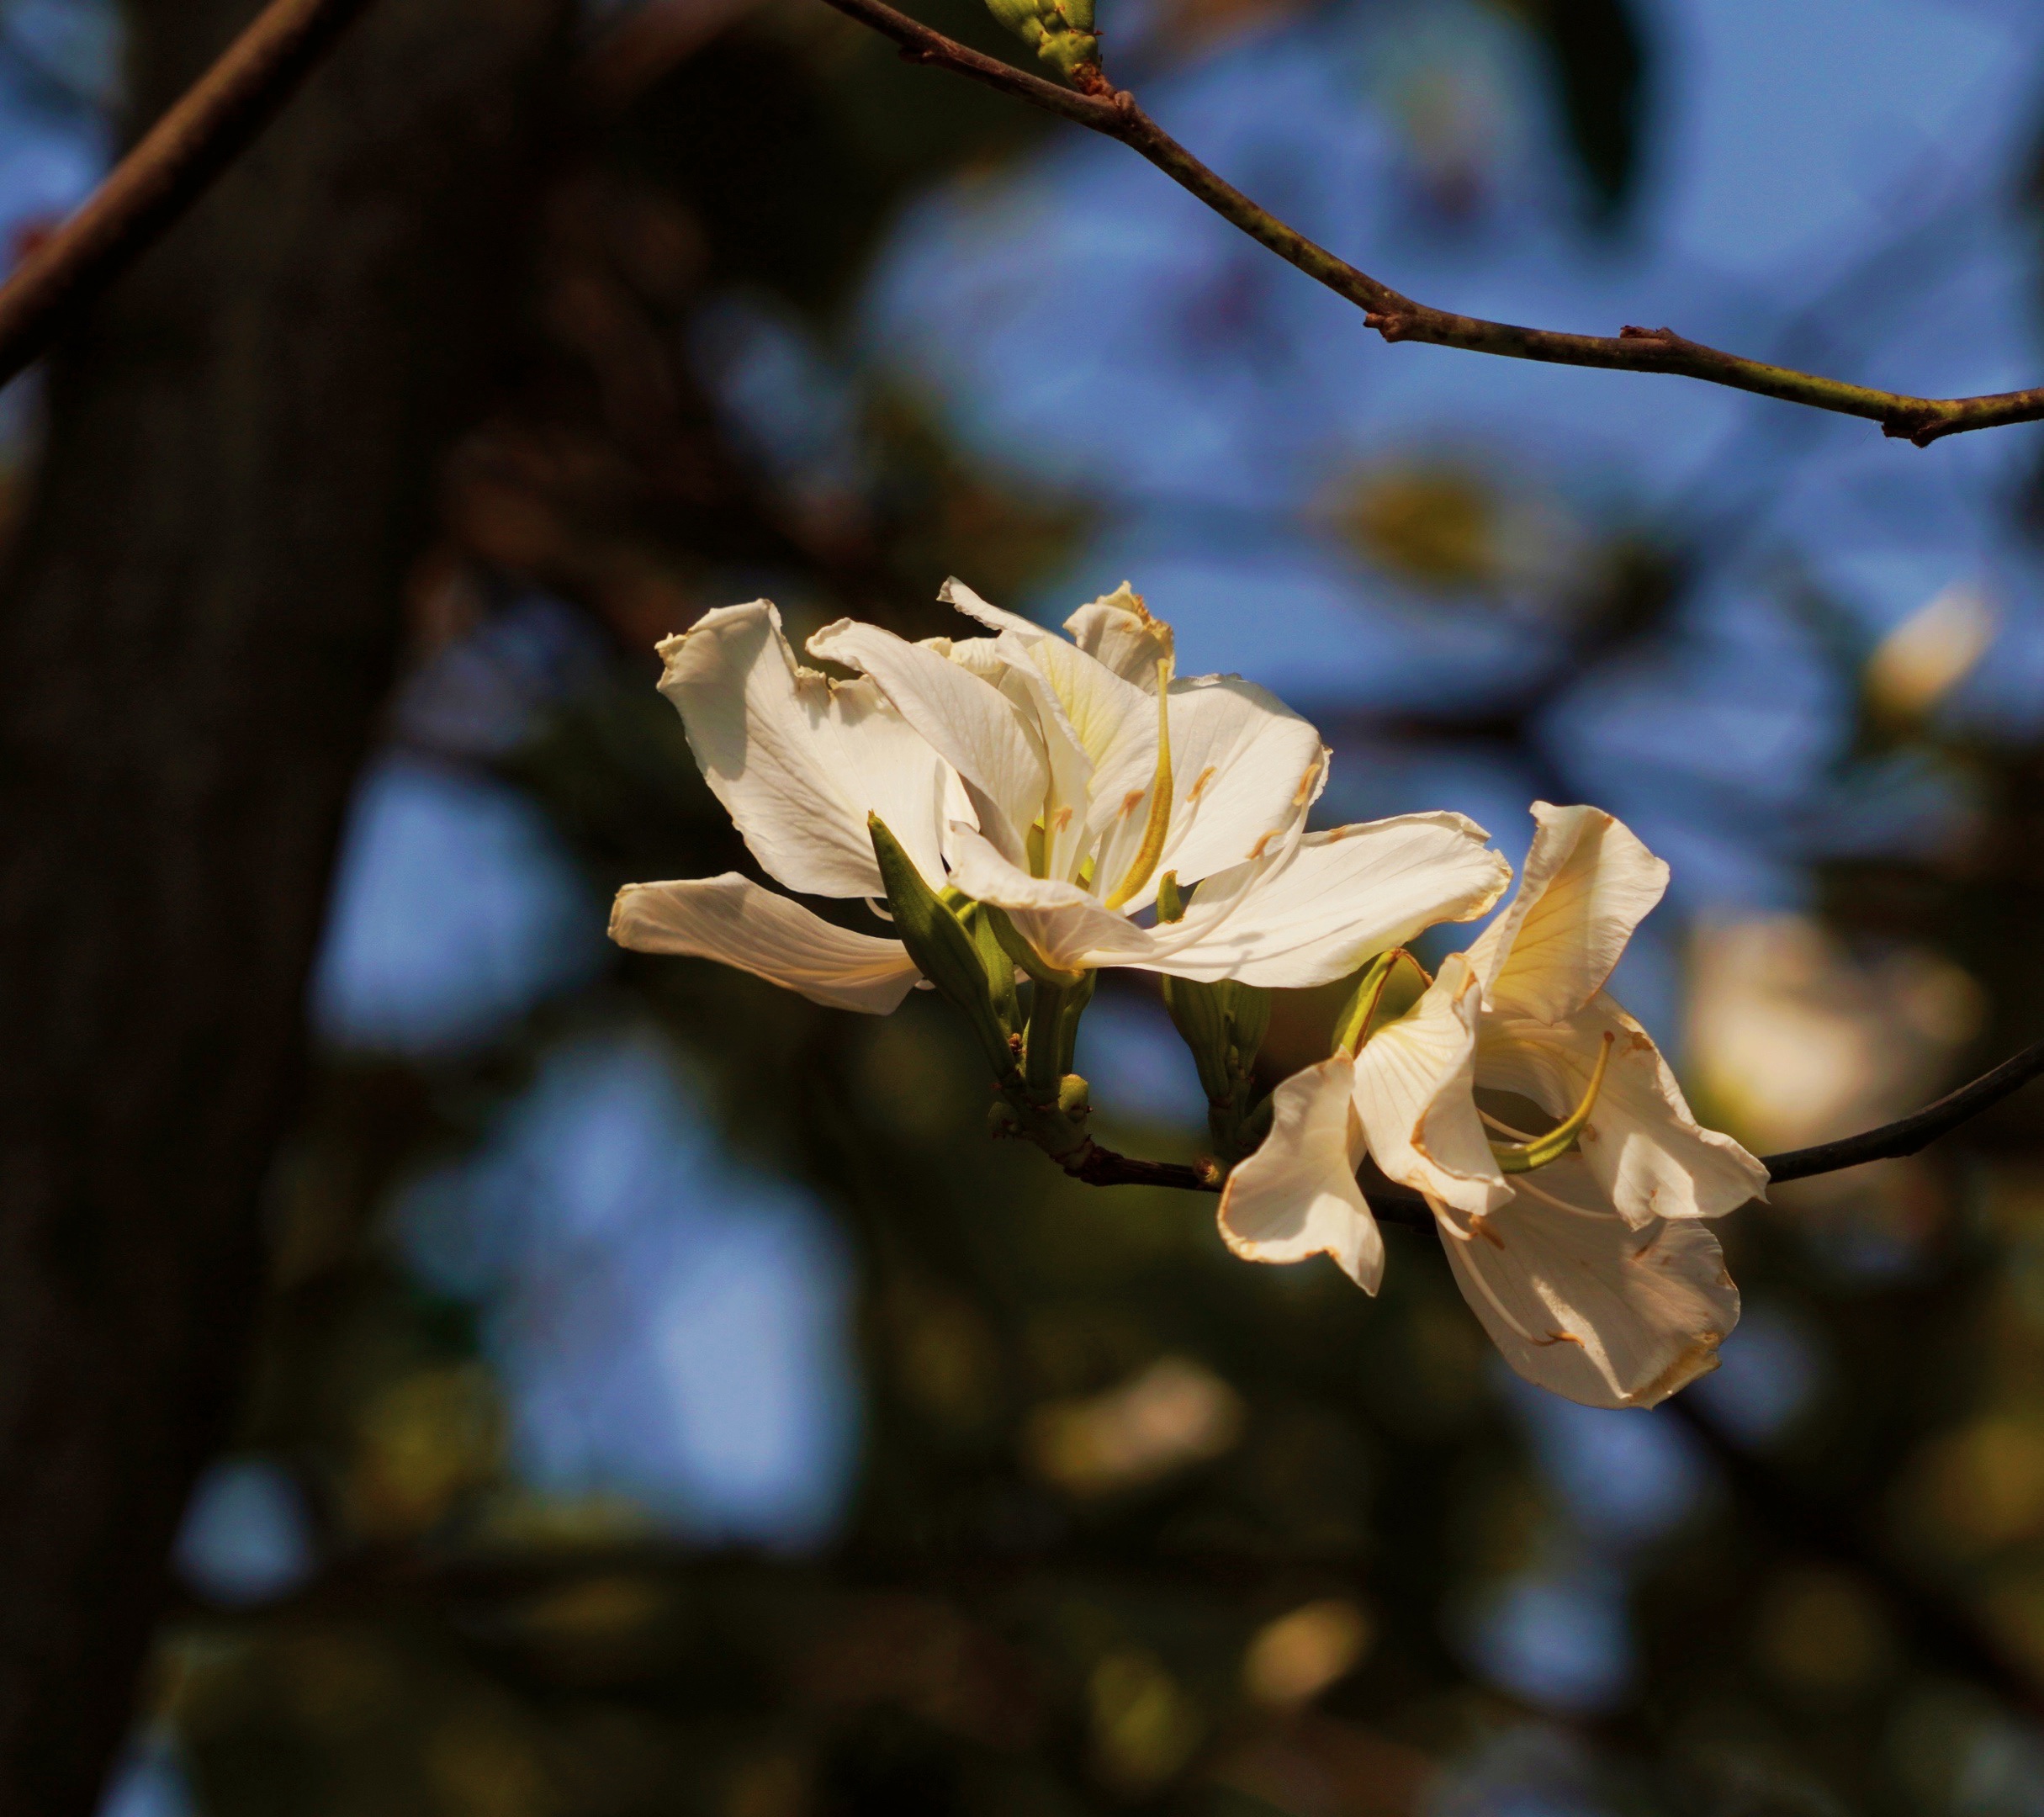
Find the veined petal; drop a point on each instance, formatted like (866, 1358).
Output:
(799, 760)
(1117, 630)
(956, 593)
(971, 724)
(1414, 1093)
(1344, 895)
(1067, 926)
(1065, 750)
(1647, 1153)
(1296, 1196)
(1245, 767)
(1588, 882)
(980, 654)
(1583, 1305)
(730, 918)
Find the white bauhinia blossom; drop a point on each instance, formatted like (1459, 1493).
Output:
(1591, 1271)
(1061, 780)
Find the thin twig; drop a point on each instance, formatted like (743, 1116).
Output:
(1394, 1204)
(1398, 317)
(1912, 1134)
(177, 161)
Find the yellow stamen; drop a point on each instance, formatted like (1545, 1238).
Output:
(1544, 1151)
(1159, 824)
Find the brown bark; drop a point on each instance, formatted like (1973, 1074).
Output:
(198, 633)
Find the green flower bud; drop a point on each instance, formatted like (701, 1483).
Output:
(1224, 1024)
(944, 953)
(1059, 31)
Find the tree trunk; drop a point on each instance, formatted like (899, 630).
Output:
(200, 629)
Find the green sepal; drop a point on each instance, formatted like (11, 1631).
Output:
(1224, 1025)
(1076, 999)
(1201, 1017)
(1388, 986)
(1000, 969)
(944, 953)
(1054, 1013)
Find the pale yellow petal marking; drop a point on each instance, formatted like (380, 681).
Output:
(1159, 824)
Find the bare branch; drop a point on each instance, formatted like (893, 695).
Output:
(173, 166)
(1912, 1134)
(1397, 317)
(1396, 1205)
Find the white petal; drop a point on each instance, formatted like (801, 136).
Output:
(730, 918)
(1244, 767)
(956, 593)
(1344, 897)
(1117, 630)
(1414, 1093)
(1296, 1196)
(1587, 1307)
(1646, 1150)
(1064, 923)
(1588, 882)
(973, 725)
(799, 760)
(1046, 678)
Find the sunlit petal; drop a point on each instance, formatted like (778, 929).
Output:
(1244, 768)
(1588, 882)
(973, 726)
(1414, 1092)
(1589, 1307)
(1067, 926)
(799, 762)
(730, 918)
(1296, 1196)
(1117, 630)
(1344, 895)
(1647, 1153)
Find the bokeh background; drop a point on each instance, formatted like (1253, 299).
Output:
(668, 1401)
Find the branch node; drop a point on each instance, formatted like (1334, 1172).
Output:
(1920, 426)
(1392, 324)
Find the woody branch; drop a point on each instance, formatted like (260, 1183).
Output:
(1096, 104)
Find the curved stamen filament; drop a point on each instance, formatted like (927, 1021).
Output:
(1159, 823)
(1544, 1151)
(1562, 1204)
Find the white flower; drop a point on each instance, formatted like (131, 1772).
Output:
(1060, 781)
(1590, 1272)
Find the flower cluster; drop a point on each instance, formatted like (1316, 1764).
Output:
(1026, 809)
